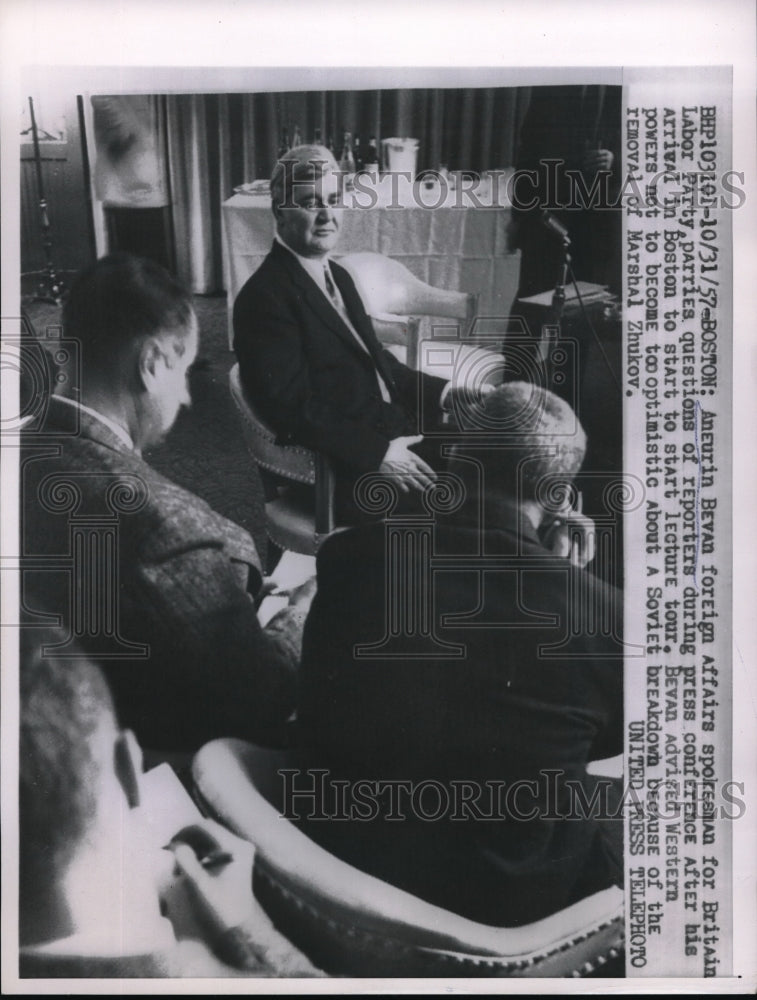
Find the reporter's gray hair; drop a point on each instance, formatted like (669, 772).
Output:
(301, 163)
(523, 434)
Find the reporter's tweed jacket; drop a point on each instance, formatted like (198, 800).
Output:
(165, 606)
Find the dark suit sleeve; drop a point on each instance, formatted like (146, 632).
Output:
(276, 372)
(221, 673)
(418, 391)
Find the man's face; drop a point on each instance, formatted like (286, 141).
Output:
(170, 388)
(311, 228)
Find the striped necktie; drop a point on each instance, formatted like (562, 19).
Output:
(331, 289)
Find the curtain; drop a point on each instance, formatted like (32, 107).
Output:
(196, 143)
(218, 141)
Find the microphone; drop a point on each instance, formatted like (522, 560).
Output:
(556, 228)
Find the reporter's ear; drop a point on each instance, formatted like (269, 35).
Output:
(150, 363)
(128, 766)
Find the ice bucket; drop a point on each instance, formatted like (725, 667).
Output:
(400, 155)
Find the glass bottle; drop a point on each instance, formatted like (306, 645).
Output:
(371, 159)
(347, 160)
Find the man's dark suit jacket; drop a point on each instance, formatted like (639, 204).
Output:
(184, 579)
(504, 712)
(310, 379)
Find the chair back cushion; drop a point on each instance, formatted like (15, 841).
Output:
(386, 286)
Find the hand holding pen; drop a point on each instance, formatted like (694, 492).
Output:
(217, 867)
(215, 875)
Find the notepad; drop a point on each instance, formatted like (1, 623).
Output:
(166, 805)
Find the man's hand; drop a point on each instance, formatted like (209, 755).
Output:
(301, 597)
(406, 468)
(268, 586)
(570, 535)
(597, 159)
(293, 603)
(458, 396)
(217, 869)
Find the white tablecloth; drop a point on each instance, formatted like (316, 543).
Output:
(462, 249)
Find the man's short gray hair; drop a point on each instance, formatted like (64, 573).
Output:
(300, 164)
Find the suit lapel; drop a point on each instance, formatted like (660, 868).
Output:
(362, 323)
(315, 298)
(328, 315)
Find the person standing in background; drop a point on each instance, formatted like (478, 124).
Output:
(570, 138)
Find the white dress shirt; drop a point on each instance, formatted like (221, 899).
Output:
(110, 424)
(317, 268)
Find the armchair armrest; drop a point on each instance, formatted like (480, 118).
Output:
(403, 331)
(324, 495)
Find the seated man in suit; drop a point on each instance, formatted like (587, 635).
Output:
(308, 355)
(465, 731)
(99, 897)
(157, 587)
